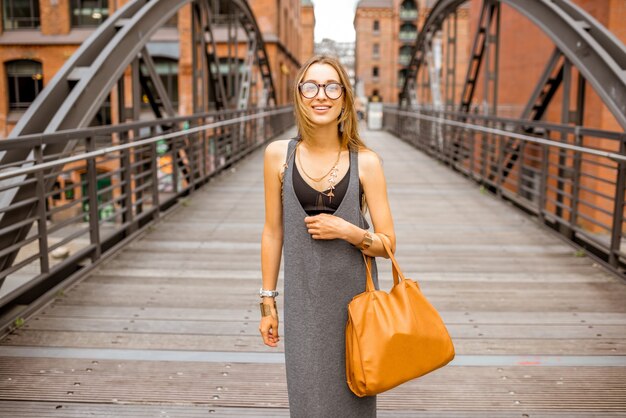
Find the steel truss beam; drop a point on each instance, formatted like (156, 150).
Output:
(591, 48)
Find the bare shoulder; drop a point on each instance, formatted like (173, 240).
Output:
(276, 153)
(369, 160)
(277, 149)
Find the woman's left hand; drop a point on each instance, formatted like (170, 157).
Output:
(325, 226)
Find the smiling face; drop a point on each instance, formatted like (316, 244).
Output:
(321, 109)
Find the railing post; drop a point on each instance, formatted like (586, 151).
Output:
(576, 165)
(205, 153)
(520, 167)
(472, 143)
(154, 167)
(618, 207)
(500, 144)
(545, 166)
(191, 155)
(42, 228)
(92, 196)
(484, 155)
(126, 177)
(174, 149)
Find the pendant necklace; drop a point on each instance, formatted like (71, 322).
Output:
(331, 180)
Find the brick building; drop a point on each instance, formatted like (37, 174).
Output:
(38, 36)
(386, 31)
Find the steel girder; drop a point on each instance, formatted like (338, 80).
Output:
(588, 45)
(78, 90)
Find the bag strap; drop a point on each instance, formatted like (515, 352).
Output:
(395, 268)
(397, 273)
(369, 282)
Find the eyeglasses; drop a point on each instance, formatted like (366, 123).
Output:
(309, 90)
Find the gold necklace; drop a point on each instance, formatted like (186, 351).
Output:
(331, 180)
(317, 180)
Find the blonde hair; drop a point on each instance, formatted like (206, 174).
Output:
(350, 135)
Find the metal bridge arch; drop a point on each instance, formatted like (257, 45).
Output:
(591, 48)
(77, 91)
(101, 65)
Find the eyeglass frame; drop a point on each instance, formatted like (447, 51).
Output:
(321, 86)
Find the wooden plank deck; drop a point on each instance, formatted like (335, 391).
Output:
(169, 326)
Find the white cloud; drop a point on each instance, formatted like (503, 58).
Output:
(334, 19)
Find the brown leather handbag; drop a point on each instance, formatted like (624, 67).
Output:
(392, 337)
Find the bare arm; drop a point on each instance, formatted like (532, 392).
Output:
(375, 188)
(272, 238)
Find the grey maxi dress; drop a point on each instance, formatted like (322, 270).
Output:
(321, 277)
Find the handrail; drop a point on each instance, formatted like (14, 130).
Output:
(104, 151)
(65, 134)
(577, 130)
(546, 170)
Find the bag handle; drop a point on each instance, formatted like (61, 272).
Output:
(395, 267)
(369, 282)
(397, 273)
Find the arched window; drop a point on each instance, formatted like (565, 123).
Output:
(89, 12)
(405, 54)
(24, 81)
(408, 32)
(18, 14)
(408, 10)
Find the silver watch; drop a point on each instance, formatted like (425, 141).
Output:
(268, 293)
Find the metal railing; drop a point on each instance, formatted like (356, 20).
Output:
(572, 178)
(118, 180)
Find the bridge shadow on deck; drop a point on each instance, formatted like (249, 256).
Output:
(169, 325)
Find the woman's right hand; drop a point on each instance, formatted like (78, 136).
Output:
(269, 329)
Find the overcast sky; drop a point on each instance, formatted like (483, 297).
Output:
(334, 19)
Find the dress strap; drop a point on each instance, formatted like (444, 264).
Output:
(354, 166)
(291, 148)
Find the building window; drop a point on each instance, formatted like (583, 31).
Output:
(405, 55)
(408, 10)
(376, 27)
(167, 69)
(18, 14)
(375, 97)
(376, 50)
(375, 72)
(401, 77)
(408, 32)
(89, 12)
(236, 68)
(24, 81)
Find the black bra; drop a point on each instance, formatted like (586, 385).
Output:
(314, 202)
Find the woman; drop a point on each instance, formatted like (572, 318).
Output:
(315, 189)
